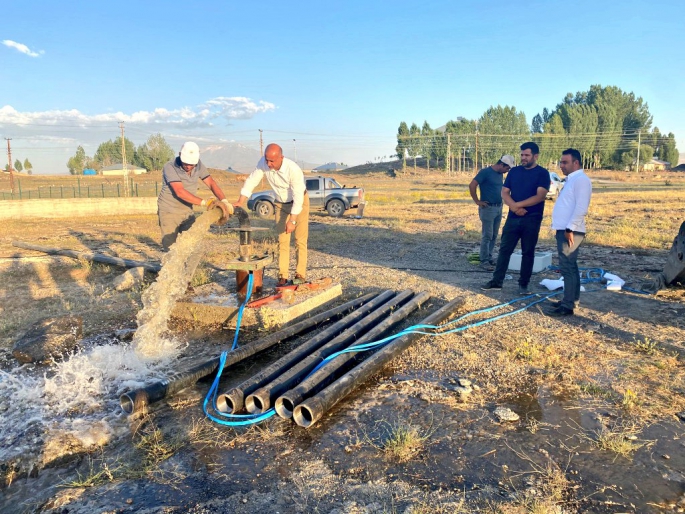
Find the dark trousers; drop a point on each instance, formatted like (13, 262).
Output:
(526, 230)
(568, 263)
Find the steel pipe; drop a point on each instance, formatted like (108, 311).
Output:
(139, 399)
(233, 401)
(285, 404)
(312, 409)
(262, 399)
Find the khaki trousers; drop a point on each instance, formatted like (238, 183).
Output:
(172, 224)
(282, 212)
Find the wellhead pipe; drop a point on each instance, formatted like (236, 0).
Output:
(233, 401)
(286, 402)
(137, 400)
(312, 409)
(263, 398)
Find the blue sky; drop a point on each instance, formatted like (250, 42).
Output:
(338, 79)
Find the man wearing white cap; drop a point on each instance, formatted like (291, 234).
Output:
(490, 181)
(180, 178)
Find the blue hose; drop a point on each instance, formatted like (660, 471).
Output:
(588, 275)
(233, 420)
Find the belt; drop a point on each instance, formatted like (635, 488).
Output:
(287, 203)
(494, 205)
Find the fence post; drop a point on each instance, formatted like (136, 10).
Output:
(50, 191)
(118, 193)
(19, 183)
(156, 193)
(88, 190)
(38, 191)
(78, 180)
(137, 189)
(103, 190)
(61, 192)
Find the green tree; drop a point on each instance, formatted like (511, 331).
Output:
(17, 165)
(666, 149)
(402, 143)
(77, 162)
(109, 152)
(154, 153)
(27, 164)
(414, 147)
(462, 141)
(503, 130)
(551, 141)
(427, 138)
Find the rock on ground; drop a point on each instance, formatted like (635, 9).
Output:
(49, 339)
(129, 279)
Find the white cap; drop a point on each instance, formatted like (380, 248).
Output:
(506, 159)
(190, 153)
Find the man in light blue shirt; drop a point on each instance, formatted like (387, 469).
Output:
(568, 220)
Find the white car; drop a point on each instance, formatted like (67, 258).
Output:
(555, 186)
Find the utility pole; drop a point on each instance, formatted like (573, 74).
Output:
(9, 162)
(295, 145)
(637, 162)
(475, 164)
(261, 142)
(123, 159)
(449, 156)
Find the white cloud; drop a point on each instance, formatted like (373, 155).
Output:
(203, 115)
(22, 48)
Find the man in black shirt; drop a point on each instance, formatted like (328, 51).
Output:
(524, 191)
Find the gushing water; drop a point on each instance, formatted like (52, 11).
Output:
(78, 397)
(159, 299)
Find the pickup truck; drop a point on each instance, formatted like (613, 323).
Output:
(325, 193)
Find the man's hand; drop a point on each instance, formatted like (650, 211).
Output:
(481, 203)
(289, 227)
(520, 211)
(569, 238)
(240, 203)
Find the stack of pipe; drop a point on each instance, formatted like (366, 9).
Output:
(138, 399)
(300, 385)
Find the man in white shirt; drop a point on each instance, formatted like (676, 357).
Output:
(568, 219)
(292, 208)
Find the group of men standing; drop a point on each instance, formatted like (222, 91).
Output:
(524, 191)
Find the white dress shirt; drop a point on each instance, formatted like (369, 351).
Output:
(287, 183)
(572, 203)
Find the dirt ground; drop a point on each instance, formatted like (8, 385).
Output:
(600, 396)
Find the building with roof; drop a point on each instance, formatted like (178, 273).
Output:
(118, 169)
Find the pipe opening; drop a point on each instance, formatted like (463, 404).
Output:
(126, 403)
(284, 407)
(224, 404)
(254, 405)
(303, 416)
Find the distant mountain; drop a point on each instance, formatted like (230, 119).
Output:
(234, 155)
(239, 158)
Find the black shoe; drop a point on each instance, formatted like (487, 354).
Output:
(560, 311)
(523, 290)
(282, 282)
(555, 304)
(490, 285)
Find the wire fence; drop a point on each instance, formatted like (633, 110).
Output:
(79, 190)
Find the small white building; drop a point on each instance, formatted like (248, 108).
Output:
(118, 169)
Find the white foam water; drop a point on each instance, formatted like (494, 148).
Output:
(80, 395)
